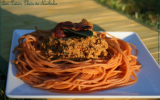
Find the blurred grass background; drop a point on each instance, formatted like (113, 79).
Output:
(145, 11)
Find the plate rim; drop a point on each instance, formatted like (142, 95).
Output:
(74, 96)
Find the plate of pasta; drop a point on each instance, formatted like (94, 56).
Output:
(73, 61)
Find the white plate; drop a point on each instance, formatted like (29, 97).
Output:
(147, 86)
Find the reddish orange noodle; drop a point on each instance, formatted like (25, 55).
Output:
(117, 70)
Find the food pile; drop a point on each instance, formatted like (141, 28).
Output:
(59, 44)
(72, 58)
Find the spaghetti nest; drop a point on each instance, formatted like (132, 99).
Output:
(69, 76)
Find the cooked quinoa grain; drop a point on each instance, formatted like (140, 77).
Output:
(75, 48)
